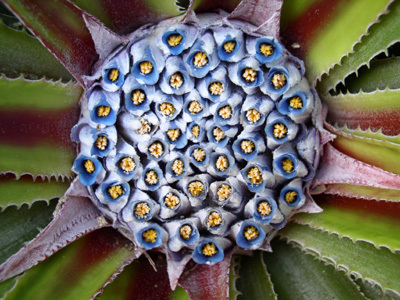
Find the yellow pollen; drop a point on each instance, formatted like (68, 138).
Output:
(199, 154)
(263, 208)
(209, 249)
(151, 177)
(171, 200)
(101, 142)
(138, 97)
(176, 80)
(222, 163)
(278, 80)
(280, 131)
(287, 165)
(174, 134)
(174, 39)
(145, 67)
(219, 134)
(167, 109)
(225, 112)
(216, 88)
(229, 46)
(141, 210)
(195, 107)
(156, 149)
(196, 131)
(178, 167)
(296, 102)
(266, 49)
(214, 219)
(255, 176)
(224, 192)
(249, 74)
(89, 166)
(247, 146)
(250, 233)
(146, 127)
(253, 115)
(200, 59)
(149, 236)
(127, 164)
(291, 196)
(113, 75)
(115, 191)
(103, 111)
(195, 188)
(185, 232)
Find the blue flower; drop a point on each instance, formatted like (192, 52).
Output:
(138, 96)
(140, 208)
(183, 233)
(88, 168)
(266, 49)
(230, 43)
(175, 79)
(113, 192)
(210, 250)
(149, 235)
(177, 38)
(115, 71)
(103, 107)
(249, 234)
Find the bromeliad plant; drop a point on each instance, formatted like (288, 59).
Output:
(199, 138)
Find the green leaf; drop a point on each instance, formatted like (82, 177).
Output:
(382, 74)
(297, 276)
(255, 282)
(364, 192)
(180, 294)
(38, 94)
(6, 286)
(361, 259)
(234, 277)
(380, 36)
(359, 220)
(21, 53)
(374, 292)
(377, 135)
(25, 190)
(18, 226)
(77, 271)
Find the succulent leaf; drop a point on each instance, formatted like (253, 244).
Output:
(363, 192)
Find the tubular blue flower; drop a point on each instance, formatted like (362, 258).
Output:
(279, 130)
(195, 107)
(220, 135)
(152, 177)
(196, 188)
(265, 49)
(195, 132)
(175, 133)
(137, 96)
(101, 142)
(254, 110)
(215, 86)
(258, 174)
(175, 79)
(215, 220)
(230, 43)
(88, 168)
(248, 145)
(247, 74)
(183, 233)
(168, 107)
(172, 202)
(249, 234)
(115, 71)
(286, 164)
(177, 167)
(227, 112)
(138, 130)
(291, 197)
(177, 38)
(210, 250)
(263, 208)
(149, 235)
(140, 208)
(102, 107)
(155, 149)
(222, 164)
(199, 155)
(113, 192)
(231, 194)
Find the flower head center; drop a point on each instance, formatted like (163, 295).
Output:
(196, 131)
(167, 109)
(185, 232)
(229, 46)
(113, 74)
(219, 134)
(253, 115)
(178, 167)
(255, 176)
(146, 67)
(156, 149)
(287, 165)
(141, 210)
(115, 191)
(199, 154)
(171, 200)
(101, 142)
(89, 166)
(291, 196)
(249, 74)
(195, 188)
(149, 236)
(200, 59)
(103, 111)
(247, 146)
(209, 249)
(296, 102)
(214, 219)
(195, 107)
(173, 134)
(174, 39)
(250, 233)
(222, 163)
(278, 80)
(146, 127)
(216, 88)
(280, 131)
(138, 96)
(225, 112)
(151, 177)
(127, 164)
(224, 192)
(264, 208)
(266, 49)
(176, 80)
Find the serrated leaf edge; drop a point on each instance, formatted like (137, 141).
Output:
(358, 132)
(56, 176)
(234, 275)
(70, 83)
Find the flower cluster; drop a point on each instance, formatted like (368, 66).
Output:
(198, 137)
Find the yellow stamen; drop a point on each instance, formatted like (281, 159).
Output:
(151, 177)
(101, 142)
(138, 96)
(280, 131)
(219, 134)
(195, 188)
(224, 192)
(178, 167)
(266, 49)
(89, 166)
(167, 109)
(209, 249)
(287, 165)
(199, 154)
(247, 146)
(264, 208)
(146, 67)
(253, 115)
(171, 200)
(291, 196)
(173, 134)
(196, 131)
(296, 102)
(250, 233)
(141, 210)
(249, 74)
(214, 219)
(185, 232)
(146, 127)
(200, 59)
(174, 39)
(115, 191)
(176, 80)
(255, 176)
(225, 112)
(156, 149)
(216, 88)
(103, 111)
(222, 163)
(195, 107)
(127, 164)
(113, 75)
(149, 236)
(278, 80)
(229, 46)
